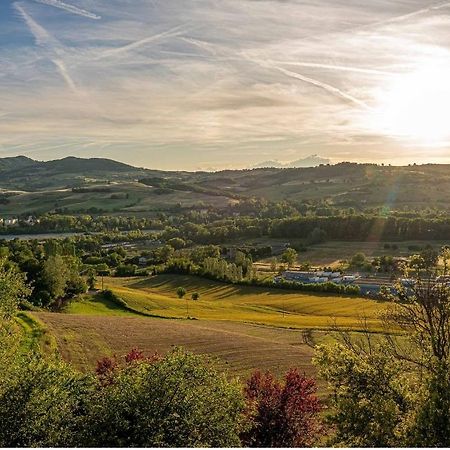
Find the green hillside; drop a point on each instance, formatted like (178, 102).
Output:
(342, 185)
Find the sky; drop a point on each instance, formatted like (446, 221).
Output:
(214, 84)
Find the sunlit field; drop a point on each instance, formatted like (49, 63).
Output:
(156, 296)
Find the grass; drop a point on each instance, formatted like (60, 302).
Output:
(96, 304)
(219, 301)
(36, 336)
(333, 251)
(246, 328)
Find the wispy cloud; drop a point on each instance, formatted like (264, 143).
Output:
(175, 84)
(173, 32)
(326, 87)
(45, 39)
(69, 8)
(336, 67)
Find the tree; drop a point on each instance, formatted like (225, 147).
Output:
(273, 264)
(395, 390)
(55, 276)
(289, 257)
(181, 292)
(195, 296)
(91, 278)
(43, 403)
(177, 243)
(13, 289)
(358, 260)
(177, 401)
(317, 236)
(282, 414)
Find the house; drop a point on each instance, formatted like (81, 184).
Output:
(30, 220)
(142, 261)
(11, 222)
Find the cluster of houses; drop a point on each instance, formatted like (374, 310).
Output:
(319, 276)
(367, 285)
(15, 221)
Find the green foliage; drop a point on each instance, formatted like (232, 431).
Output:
(13, 289)
(289, 257)
(43, 404)
(181, 292)
(394, 391)
(126, 270)
(177, 243)
(371, 397)
(358, 260)
(178, 401)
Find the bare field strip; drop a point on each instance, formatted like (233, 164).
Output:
(82, 340)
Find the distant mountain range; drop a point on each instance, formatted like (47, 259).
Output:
(309, 161)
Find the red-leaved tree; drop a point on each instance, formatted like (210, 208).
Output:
(282, 413)
(108, 367)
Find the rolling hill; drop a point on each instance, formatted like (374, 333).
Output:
(341, 185)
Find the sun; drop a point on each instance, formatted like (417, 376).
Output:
(416, 107)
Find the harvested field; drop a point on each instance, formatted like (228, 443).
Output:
(83, 339)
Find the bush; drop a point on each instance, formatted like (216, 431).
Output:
(43, 404)
(176, 401)
(283, 414)
(126, 270)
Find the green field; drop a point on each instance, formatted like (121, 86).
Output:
(219, 301)
(129, 197)
(244, 327)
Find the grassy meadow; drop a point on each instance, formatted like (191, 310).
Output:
(156, 296)
(244, 327)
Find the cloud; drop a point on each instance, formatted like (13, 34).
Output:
(173, 32)
(45, 39)
(69, 8)
(327, 87)
(174, 84)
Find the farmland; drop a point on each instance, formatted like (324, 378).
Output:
(245, 327)
(219, 301)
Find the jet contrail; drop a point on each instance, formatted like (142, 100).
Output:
(69, 8)
(201, 44)
(176, 31)
(327, 87)
(45, 39)
(408, 16)
(335, 67)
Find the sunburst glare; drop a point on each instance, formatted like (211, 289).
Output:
(416, 106)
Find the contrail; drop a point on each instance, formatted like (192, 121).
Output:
(45, 39)
(327, 87)
(69, 8)
(176, 31)
(409, 15)
(65, 74)
(201, 44)
(336, 67)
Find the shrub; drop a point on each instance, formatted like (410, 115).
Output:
(283, 414)
(176, 401)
